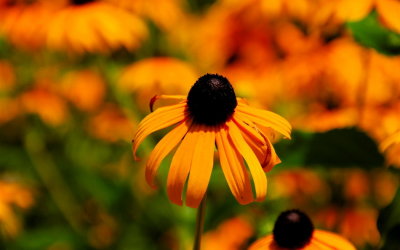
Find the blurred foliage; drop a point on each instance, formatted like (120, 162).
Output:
(347, 147)
(370, 33)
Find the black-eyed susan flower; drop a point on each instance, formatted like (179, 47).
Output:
(212, 115)
(94, 26)
(294, 230)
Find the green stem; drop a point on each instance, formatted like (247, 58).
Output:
(201, 212)
(52, 179)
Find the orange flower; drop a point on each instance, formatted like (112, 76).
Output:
(157, 75)
(391, 145)
(294, 230)
(212, 114)
(94, 26)
(356, 224)
(24, 25)
(232, 234)
(166, 14)
(85, 89)
(7, 76)
(299, 185)
(13, 194)
(103, 125)
(46, 103)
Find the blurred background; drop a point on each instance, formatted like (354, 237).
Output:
(76, 77)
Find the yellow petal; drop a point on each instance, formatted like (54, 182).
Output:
(202, 164)
(329, 240)
(159, 119)
(389, 141)
(266, 243)
(389, 13)
(163, 147)
(265, 118)
(180, 167)
(255, 139)
(234, 169)
(259, 177)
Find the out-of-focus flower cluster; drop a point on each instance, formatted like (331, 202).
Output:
(77, 75)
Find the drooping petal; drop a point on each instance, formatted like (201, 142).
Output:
(264, 118)
(269, 156)
(180, 166)
(202, 163)
(259, 177)
(159, 119)
(255, 139)
(162, 149)
(329, 240)
(234, 169)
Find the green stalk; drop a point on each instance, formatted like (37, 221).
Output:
(201, 212)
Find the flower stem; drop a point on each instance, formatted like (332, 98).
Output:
(201, 212)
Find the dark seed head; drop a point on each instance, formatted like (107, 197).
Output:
(211, 100)
(293, 229)
(81, 2)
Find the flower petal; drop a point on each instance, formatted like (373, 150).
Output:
(389, 13)
(259, 177)
(265, 118)
(234, 169)
(266, 243)
(159, 119)
(329, 240)
(163, 147)
(256, 140)
(180, 167)
(202, 164)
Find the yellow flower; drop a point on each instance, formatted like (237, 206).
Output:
(211, 114)
(294, 230)
(94, 26)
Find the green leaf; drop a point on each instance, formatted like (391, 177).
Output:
(370, 33)
(389, 217)
(347, 147)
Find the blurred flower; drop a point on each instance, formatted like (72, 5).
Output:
(10, 108)
(164, 13)
(13, 195)
(391, 145)
(388, 13)
(299, 185)
(110, 124)
(85, 89)
(212, 113)
(294, 230)
(232, 234)
(7, 76)
(97, 27)
(25, 24)
(356, 224)
(44, 101)
(157, 75)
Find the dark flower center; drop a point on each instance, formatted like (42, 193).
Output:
(293, 229)
(211, 100)
(81, 2)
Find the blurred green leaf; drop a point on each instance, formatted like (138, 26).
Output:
(392, 239)
(347, 147)
(370, 33)
(389, 218)
(44, 238)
